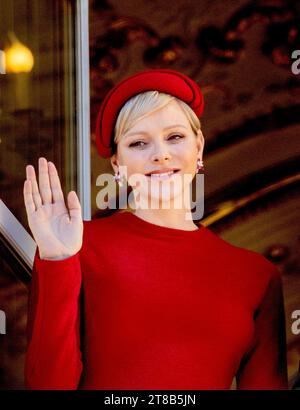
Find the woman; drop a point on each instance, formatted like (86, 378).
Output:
(147, 299)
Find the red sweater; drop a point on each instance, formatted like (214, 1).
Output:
(143, 306)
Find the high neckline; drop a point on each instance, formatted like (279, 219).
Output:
(150, 228)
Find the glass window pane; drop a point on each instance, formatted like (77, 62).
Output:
(37, 94)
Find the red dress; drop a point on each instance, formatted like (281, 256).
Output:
(142, 306)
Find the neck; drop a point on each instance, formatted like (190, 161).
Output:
(171, 218)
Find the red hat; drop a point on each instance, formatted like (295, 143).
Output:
(164, 80)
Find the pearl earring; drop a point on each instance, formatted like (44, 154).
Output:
(200, 165)
(118, 179)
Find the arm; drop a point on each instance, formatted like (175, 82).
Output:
(53, 357)
(264, 366)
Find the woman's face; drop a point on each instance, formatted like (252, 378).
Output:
(160, 141)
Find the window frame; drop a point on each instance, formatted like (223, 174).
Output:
(83, 104)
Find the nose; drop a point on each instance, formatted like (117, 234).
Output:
(161, 153)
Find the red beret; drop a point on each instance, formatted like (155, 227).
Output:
(164, 80)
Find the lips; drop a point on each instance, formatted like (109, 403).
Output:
(162, 176)
(162, 173)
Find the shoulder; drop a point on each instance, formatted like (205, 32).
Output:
(99, 232)
(253, 267)
(98, 237)
(102, 224)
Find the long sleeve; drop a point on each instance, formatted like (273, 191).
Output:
(53, 359)
(264, 367)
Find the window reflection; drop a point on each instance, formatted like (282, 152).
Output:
(37, 104)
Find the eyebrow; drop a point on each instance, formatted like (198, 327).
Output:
(146, 133)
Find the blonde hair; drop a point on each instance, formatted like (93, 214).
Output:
(145, 103)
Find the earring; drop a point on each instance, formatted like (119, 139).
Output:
(200, 165)
(118, 179)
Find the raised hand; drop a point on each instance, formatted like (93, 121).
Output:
(57, 229)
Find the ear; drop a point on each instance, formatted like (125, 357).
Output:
(114, 162)
(200, 143)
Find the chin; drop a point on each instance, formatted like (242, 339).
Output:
(159, 193)
(166, 197)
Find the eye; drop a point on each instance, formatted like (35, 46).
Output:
(137, 144)
(142, 144)
(176, 135)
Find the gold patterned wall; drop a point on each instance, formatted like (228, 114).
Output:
(239, 52)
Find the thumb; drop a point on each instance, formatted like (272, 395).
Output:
(74, 205)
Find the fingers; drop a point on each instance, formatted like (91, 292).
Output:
(28, 199)
(48, 189)
(57, 194)
(74, 205)
(34, 190)
(44, 181)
